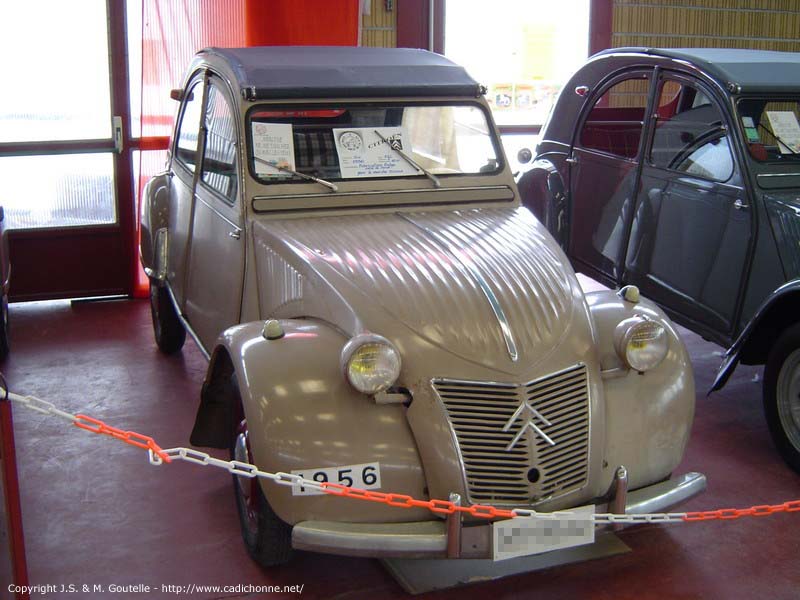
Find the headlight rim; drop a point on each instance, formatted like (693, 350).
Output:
(356, 342)
(625, 331)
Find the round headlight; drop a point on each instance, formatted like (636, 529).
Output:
(641, 343)
(371, 363)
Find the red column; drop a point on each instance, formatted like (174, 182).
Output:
(8, 461)
(301, 22)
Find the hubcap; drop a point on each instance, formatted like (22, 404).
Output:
(788, 398)
(246, 485)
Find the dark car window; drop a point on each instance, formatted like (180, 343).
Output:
(219, 159)
(615, 122)
(189, 131)
(689, 133)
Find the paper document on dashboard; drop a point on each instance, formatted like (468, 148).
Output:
(362, 152)
(786, 129)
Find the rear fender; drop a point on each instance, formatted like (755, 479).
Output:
(777, 313)
(154, 219)
(302, 415)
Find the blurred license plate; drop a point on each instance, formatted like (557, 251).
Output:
(533, 535)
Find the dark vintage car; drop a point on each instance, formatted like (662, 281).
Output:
(678, 171)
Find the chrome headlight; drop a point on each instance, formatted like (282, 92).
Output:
(641, 343)
(371, 363)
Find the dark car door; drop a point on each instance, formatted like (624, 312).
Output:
(691, 231)
(603, 174)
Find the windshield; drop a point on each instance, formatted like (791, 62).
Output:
(772, 129)
(359, 142)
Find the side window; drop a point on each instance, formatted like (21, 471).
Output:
(615, 123)
(219, 159)
(690, 135)
(189, 131)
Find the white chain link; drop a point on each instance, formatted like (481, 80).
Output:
(248, 470)
(41, 406)
(236, 467)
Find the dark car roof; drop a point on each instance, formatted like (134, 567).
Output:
(751, 70)
(343, 71)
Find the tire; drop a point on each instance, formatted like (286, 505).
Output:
(167, 328)
(782, 395)
(268, 539)
(4, 346)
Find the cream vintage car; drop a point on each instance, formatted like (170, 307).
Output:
(340, 233)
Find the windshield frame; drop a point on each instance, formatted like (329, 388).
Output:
(792, 160)
(372, 103)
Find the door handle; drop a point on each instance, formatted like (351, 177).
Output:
(573, 160)
(235, 234)
(739, 205)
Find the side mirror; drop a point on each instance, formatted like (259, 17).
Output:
(176, 94)
(524, 156)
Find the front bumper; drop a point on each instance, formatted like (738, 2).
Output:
(428, 539)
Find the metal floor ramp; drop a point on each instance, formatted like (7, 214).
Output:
(418, 576)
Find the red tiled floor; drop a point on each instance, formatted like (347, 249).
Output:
(97, 513)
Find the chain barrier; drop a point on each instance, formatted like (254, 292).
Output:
(159, 456)
(89, 424)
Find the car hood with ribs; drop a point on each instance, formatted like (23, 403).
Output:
(488, 286)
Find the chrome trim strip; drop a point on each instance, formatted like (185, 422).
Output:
(421, 539)
(767, 175)
(465, 261)
(185, 323)
(656, 498)
(328, 195)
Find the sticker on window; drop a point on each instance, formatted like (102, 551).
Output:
(273, 147)
(373, 152)
(365, 476)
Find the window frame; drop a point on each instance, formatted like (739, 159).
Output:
(198, 79)
(218, 84)
(494, 137)
(724, 130)
(646, 73)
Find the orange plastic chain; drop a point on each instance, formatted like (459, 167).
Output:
(438, 506)
(725, 514)
(129, 437)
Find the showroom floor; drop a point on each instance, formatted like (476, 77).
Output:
(96, 513)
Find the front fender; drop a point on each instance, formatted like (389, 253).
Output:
(302, 414)
(648, 416)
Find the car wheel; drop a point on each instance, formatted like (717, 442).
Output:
(268, 539)
(782, 395)
(169, 332)
(4, 347)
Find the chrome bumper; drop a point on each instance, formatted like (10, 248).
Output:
(428, 539)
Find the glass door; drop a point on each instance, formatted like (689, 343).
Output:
(66, 188)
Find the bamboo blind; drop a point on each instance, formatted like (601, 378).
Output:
(759, 24)
(379, 28)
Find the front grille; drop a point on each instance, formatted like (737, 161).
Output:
(478, 411)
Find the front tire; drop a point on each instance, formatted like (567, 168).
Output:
(167, 327)
(268, 539)
(782, 395)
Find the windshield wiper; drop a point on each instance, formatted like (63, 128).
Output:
(780, 141)
(332, 187)
(395, 145)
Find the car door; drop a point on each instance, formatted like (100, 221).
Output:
(691, 233)
(216, 255)
(604, 165)
(183, 171)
